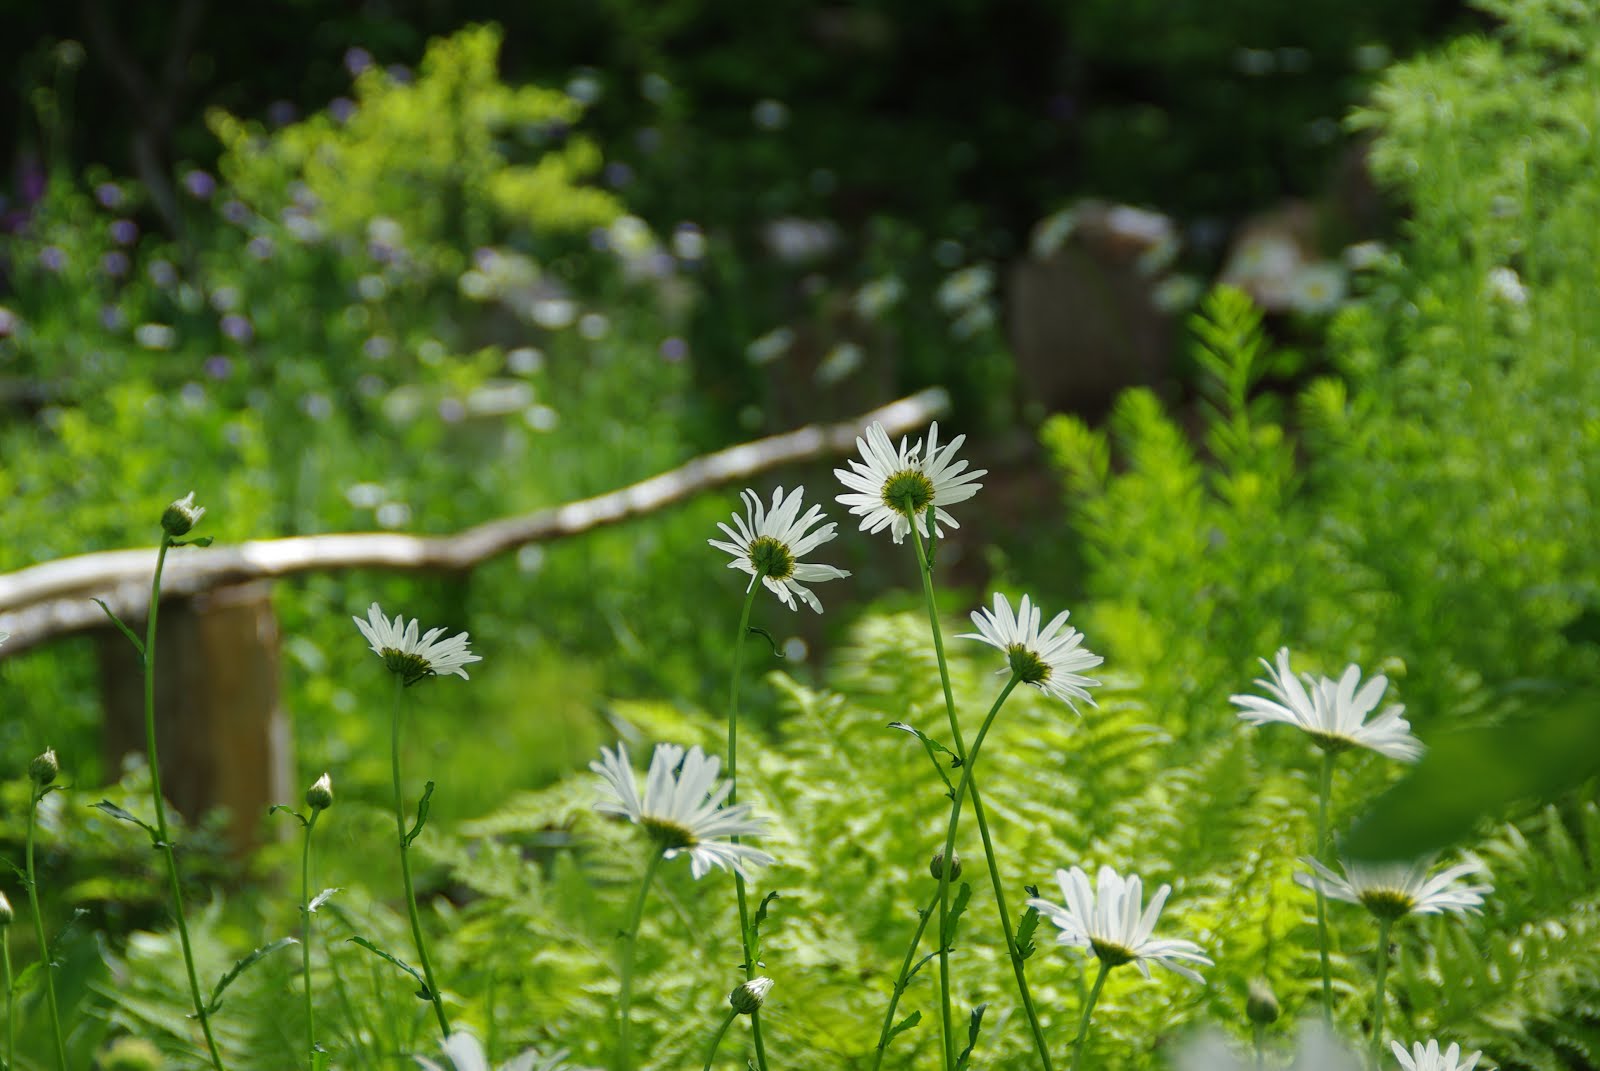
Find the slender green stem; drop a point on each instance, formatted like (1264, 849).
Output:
(38, 930)
(1082, 1039)
(1324, 794)
(902, 980)
(1259, 1030)
(745, 937)
(11, 1022)
(1017, 969)
(405, 862)
(162, 834)
(946, 1018)
(716, 1039)
(1377, 1000)
(305, 935)
(630, 938)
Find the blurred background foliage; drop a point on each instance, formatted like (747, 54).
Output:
(417, 265)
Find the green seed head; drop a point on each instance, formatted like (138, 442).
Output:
(771, 558)
(181, 516)
(908, 492)
(43, 769)
(936, 866)
(1111, 955)
(131, 1054)
(1261, 1006)
(409, 667)
(669, 836)
(1387, 904)
(1029, 667)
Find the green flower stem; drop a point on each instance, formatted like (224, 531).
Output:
(162, 834)
(1324, 794)
(405, 863)
(630, 939)
(716, 1039)
(38, 930)
(745, 938)
(1259, 1032)
(982, 819)
(903, 980)
(1377, 1000)
(11, 1022)
(1082, 1039)
(305, 936)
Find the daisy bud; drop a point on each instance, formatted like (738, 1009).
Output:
(181, 516)
(131, 1054)
(936, 866)
(319, 797)
(6, 914)
(749, 997)
(1261, 1005)
(43, 769)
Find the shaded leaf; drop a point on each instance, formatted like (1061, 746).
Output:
(902, 1026)
(974, 1025)
(243, 965)
(138, 645)
(118, 813)
(422, 814)
(423, 992)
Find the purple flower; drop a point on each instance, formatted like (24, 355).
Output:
(124, 231)
(112, 318)
(8, 322)
(280, 113)
(400, 73)
(451, 411)
(341, 108)
(218, 366)
(237, 328)
(162, 273)
(52, 258)
(260, 247)
(236, 212)
(356, 60)
(109, 194)
(115, 264)
(618, 174)
(199, 184)
(674, 349)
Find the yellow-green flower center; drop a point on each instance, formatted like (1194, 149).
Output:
(1028, 666)
(1111, 955)
(771, 558)
(669, 836)
(1331, 743)
(908, 492)
(410, 668)
(1389, 904)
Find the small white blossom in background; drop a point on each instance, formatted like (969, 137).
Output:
(1111, 922)
(770, 543)
(1504, 284)
(1317, 1050)
(1317, 288)
(888, 487)
(1048, 658)
(466, 1054)
(410, 657)
(681, 807)
(1429, 1058)
(963, 289)
(879, 296)
(1333, 713)
(1394, 890)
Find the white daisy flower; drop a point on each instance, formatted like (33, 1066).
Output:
(466, 1054)
(1110, 924)
(1394, 890)
(406, 655)
(1048, 658)
(1333, 713)
(1429, 1058)
(1317, 1050)
(888, 487)
(771, 543)
(682, 808)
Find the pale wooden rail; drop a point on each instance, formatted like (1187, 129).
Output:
(54, 598)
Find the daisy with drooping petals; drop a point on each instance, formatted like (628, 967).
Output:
(1333, 713)
(770, 543)
(1047, 658)
(412, 658)
(1111, 922)
(1429, 1058)
(681, 807)
(1392, 891)
(466, 1054)
(889, 487)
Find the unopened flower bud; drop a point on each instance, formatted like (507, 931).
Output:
(6, 914)
(131, 1054)
(936, 866)
(43, 769)
(1261, 1006)
(181, 516)
(749, 997)
(319, 797)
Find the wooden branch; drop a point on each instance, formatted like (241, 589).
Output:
(54, 598)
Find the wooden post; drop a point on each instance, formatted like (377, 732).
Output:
(222, 733)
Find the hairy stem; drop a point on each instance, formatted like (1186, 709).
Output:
(716, 1039)
(630, 939)
(162, 834)
(305, 936)
(38, 930)
(745, 936)
(405, 863)
(1082, 1039)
